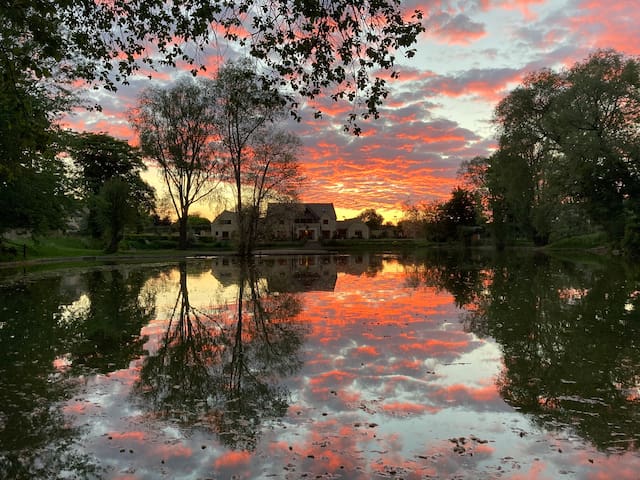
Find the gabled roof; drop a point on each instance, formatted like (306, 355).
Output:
(321, 209)
(317, 210)
(225, 215)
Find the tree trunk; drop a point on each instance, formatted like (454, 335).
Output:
(183, 241)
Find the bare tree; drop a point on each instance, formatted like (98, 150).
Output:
(271, 173)
(178, 132)
(260, 159)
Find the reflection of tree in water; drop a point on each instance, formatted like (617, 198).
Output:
(457, 271)
(118, 309)
(221, 369)
(570, 335)
(49, 337)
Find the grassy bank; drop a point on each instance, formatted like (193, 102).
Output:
(79, 248)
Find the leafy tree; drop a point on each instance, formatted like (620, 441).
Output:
(473, 176)
(372, 218)
(569, 141)
(33, 183)
(417, 218)
(310, 46)
(458, 211)
(177, 131)
(114, 210)
(109, 169)
(35, 196)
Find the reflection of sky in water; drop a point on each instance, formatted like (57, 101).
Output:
(391, 385)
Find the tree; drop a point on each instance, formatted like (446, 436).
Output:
(36, 196)
(177, 131)
(473, 176)
(570, 141)
(458, 211)
(114, 210)
(309, 46)
(417, 218)
(260, 158)
(271, 173)
(198, 222)
(109, 169)
(372, 218)
(602, 141)
(33, 182)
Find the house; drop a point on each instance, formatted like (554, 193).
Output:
(352, 228)
(224, 226)
(295, 221)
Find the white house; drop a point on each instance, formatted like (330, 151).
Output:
(352, 228)
(293, 221)
(224, 226)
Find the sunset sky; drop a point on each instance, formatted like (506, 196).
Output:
(439, 112)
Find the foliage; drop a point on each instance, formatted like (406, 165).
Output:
(568, 148)
(372, 218)
(442, 221)
(101, 157)
(33, 182)
(198, 222)
(101, 160)
(34, 197)
(110, 184)
(309, 46)
(458, 211)
(177, 131)
(114, 209)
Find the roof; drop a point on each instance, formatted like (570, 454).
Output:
(317, 209)
(226, 214)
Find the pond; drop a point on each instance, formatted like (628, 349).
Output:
(413, 366)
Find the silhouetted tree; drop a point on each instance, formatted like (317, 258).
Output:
(177, 132)
(372, 218)
(262, 160)
(569, 141)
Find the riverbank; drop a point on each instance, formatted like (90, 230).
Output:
(59, 251)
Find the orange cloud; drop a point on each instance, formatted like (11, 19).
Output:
(404, 408)
(233, 459)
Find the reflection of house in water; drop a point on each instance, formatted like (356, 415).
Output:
(225, 269)
(298, 273)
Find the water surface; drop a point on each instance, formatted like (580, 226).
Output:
(449, 365)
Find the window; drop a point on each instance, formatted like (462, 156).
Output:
(325, 221)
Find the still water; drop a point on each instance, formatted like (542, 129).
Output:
(356, 367)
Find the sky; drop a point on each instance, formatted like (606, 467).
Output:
(439, 112)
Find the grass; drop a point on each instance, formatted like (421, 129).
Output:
(49, 247)
(581, 242)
